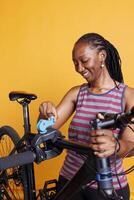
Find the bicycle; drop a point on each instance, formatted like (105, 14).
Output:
(37, 148)
(17, 178)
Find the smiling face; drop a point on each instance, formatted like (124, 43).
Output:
(88, 60)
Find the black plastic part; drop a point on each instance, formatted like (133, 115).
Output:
(17, 159)
(15, 95)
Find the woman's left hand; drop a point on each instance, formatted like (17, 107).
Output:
(103, 142)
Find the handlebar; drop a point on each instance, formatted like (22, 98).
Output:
(112, 120)
(104, 173)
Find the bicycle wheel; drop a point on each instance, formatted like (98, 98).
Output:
(12, 181)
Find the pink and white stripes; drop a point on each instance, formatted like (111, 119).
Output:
(88, 105)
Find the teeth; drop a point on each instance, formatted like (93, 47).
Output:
(85, 74)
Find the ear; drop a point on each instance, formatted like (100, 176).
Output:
(102, 55)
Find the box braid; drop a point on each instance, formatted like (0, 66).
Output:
(113, 61)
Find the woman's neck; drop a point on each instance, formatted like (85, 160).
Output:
(102, 85)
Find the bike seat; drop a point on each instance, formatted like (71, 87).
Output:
(15, 95)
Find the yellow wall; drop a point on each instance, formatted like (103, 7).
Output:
(36, 39)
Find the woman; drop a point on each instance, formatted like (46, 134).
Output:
(98, 61)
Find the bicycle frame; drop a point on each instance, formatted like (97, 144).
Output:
(29, 168)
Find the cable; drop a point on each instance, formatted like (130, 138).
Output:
(116, 174)
(126, 171)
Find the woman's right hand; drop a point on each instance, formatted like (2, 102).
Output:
(48, 109)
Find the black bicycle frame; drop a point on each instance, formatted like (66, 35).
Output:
(31, 193)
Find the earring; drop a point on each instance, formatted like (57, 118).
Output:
(102, 65)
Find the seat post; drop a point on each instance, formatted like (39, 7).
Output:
(26, 117)
(29, 167)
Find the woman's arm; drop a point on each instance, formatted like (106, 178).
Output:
(127, 138)
(103, 142)
(64, 109)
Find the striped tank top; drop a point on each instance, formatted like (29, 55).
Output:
(87, 106)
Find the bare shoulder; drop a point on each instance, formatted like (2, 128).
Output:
(129, 92)
(73, 93)
(129, 98)
(75, 89)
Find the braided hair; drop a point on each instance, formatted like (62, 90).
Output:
(113, 61)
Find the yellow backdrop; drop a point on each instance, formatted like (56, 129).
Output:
(36, 39)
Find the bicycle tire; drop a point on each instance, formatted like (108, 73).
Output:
(13, 180)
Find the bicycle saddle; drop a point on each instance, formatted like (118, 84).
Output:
(15, 95)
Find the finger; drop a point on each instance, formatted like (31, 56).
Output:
(51, 114)
(47, 110)
(100, 154)
(103, 153)
(104, 149)
(51, 111)
(103, 146)
(100, 116)
(42, 109)
(99, 139)
(97, 147)
(100, 132)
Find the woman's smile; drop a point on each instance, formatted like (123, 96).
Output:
(86, 74)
